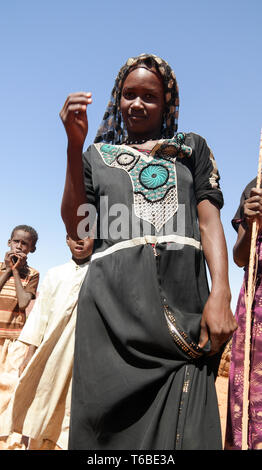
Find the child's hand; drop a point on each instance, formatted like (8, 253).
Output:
(10, 259)
(7, 260)
(253, 207)
(15, 260)
(74, 117)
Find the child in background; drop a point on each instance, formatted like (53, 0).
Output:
(18, 286)
(40, 406)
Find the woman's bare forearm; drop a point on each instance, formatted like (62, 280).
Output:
(214, 246)
(218, 322)
(74, 118)
(74, 191)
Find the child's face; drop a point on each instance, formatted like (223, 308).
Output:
(80, 249)
(21, 242)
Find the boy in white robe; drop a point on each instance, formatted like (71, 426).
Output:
(40, 406)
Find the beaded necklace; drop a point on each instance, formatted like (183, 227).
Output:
(139, 142)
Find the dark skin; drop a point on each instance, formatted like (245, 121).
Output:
(142, 107)
(74, 117)
(21, 245)
(252, 213)
(218, 322)
(81, 251)
(142, 104)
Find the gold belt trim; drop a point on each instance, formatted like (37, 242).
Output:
(192, 349)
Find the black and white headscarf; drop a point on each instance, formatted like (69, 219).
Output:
(112, 129)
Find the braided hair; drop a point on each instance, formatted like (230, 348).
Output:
(112, 129)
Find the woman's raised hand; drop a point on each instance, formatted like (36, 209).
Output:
(74, 117)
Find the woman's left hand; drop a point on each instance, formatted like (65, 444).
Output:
(218, 322)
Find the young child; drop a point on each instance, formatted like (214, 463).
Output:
(18, 285)
(40, 406)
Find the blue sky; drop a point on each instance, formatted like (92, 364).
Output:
(49, 49)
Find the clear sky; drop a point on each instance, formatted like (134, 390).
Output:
(51, 48)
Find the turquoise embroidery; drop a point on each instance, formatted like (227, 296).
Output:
(117, 156)
(153, 180)
(153, 177)
(109, 153)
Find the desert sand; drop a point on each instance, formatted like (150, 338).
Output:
(222, 388)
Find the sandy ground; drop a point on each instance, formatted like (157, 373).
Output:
(222, 387)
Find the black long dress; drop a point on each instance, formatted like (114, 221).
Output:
(140, 381)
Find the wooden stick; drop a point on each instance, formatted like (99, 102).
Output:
(249, 301)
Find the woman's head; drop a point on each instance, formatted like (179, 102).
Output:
(142, 104)
(162, 78)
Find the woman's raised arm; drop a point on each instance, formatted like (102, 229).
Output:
(74, 118)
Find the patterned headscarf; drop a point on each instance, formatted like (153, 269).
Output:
(112, 129)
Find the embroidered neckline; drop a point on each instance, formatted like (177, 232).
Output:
(167, 149)
(153, 179)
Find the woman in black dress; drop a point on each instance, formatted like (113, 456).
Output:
(148, 331)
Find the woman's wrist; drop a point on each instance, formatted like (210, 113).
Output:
(221, 290)
(75, 149)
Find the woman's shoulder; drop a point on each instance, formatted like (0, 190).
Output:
(89, 149)
(197, 138)
(95, 148)
(197, 143)
(190, 138)
(194, 135)
(89, 153)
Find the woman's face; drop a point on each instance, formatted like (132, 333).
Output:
(142, 104)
